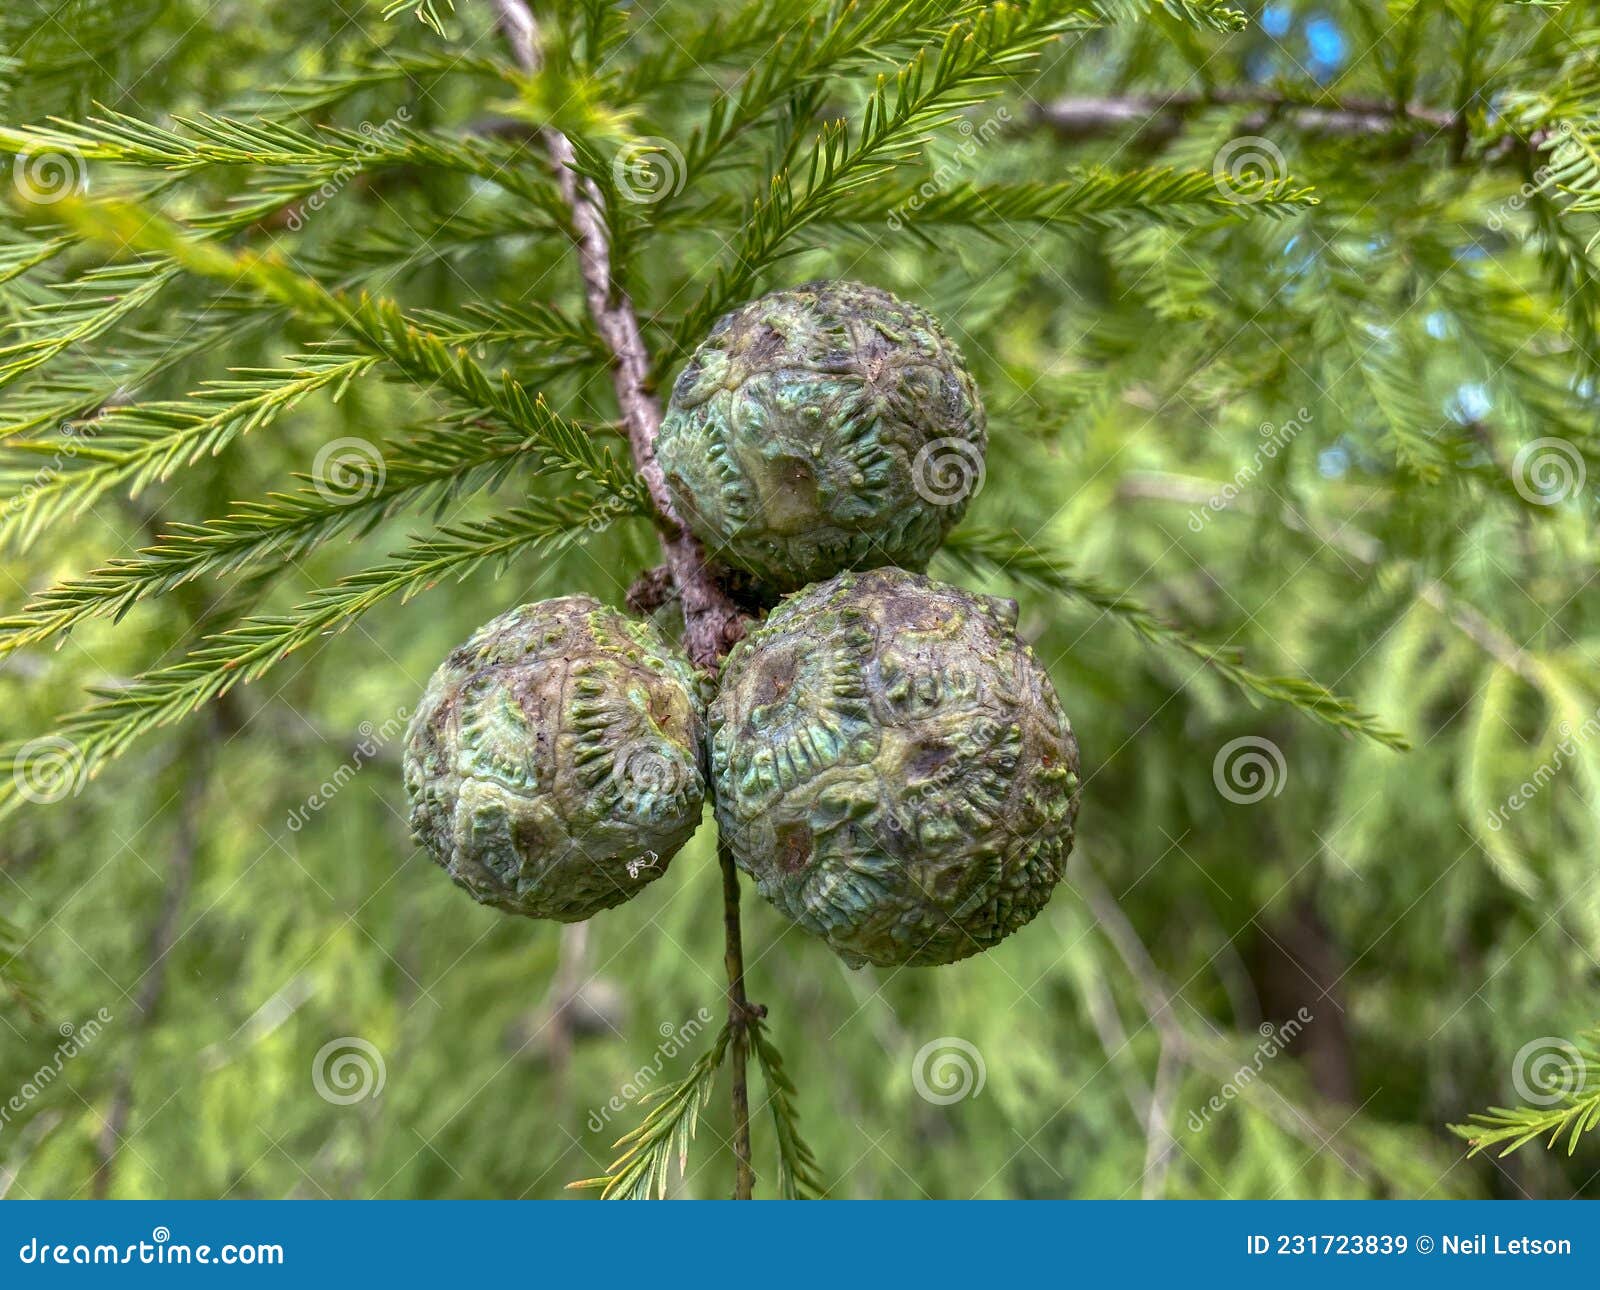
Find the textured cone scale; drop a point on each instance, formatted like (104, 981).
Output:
(553, 763)
(827, 427)
(892, 766)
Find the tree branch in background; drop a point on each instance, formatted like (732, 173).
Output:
(1208, 1052)
(572, 970)
(1159, 1142)
(28, 1141)
(1160, 116)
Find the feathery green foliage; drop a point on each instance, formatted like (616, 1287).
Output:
(799, 1174)
(135, 446)
(1569, 1103)
(19, 988)
(1286, 322)
(1097, 199)
(279, 531)
(973, 61)
(643, 1170)
(246, 651)
(994, 552)
(431, 12)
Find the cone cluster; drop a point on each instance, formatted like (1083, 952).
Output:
(885, 755)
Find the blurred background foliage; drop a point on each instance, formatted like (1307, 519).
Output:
(239, 889)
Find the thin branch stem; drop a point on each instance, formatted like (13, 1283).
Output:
(1203, 1052)
(712, 622)
(1102, 1010)
(28, 1141)
(739, 1014)
(223, 720)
